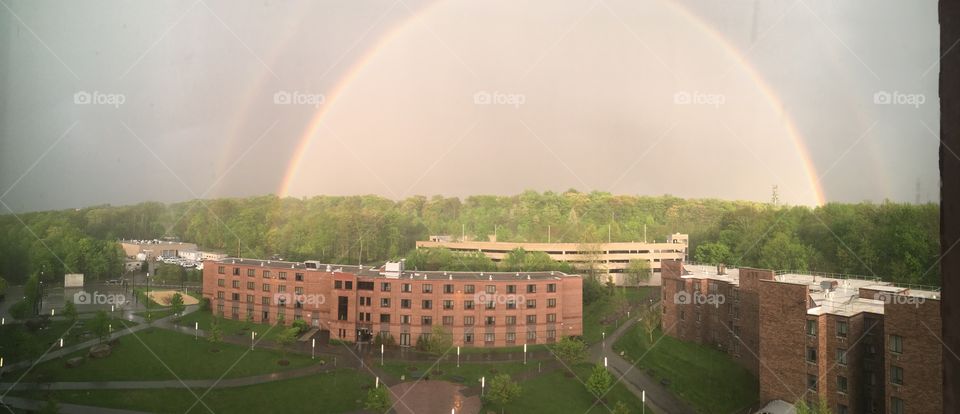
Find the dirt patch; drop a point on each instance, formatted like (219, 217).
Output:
(163, 297)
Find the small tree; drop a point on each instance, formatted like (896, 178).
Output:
(70, 310)
(284, 340)
(571, 351)
(502, 390)
(281, 318)
(301, 326)
(600, 381)
(650, 320)
(821, 407)
(100, 325)
(620, 408)
(440, 340)
(215, 335)
(177, 306)
(20, 310)
(638, 271)
(378, 400)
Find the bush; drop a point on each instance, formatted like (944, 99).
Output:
(301, 326)
(20, 310)
(205, 304)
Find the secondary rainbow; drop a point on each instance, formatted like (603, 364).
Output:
(316, 121)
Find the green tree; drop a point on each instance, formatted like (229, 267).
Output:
(599, 381)
(70, 310)
(440, 340)
(3, 287)
(571, 351)
(638, 271)
(502, 390)
(31, 293)
(286, 338)
(301, 326)
(713, 253)
(281, 319)
(378, 400)
(650, 320)
(215, 334)
(100, 325)
(176, 305)
(21, 310)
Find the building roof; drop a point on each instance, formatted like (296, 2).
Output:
(369, 271)
(697, 271)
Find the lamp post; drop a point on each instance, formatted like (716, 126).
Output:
(643, 399)
(524, 354)
(196, 331)
(381, 355)
(483, 384)
(313, 348)
(252, 335)
(458, 356)
(604, 335)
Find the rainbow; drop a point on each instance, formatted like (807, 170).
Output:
(316, 122)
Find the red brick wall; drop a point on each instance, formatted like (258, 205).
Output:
(919, 325)
(783, 368)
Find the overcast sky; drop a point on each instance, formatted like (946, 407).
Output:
(121, 102)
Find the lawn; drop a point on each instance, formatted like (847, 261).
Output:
(148, 355)
(471, 373)
(556, 392)
(234, 327)
(595, 313)
(698, 374)
(17, 343)
(333, 392)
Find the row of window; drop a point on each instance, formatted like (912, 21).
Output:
(264, 287)
(266, 273)
(428, 288)
(467, 320)
(842, 328)
(451, 304)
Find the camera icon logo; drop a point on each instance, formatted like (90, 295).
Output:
(882, 98)
(682, 98)
(82, 298)
(282, 98)
(482, 98)
(682, 298)
(82, 98)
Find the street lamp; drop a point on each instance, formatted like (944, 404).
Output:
(252, 335)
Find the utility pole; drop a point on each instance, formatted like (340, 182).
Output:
(775, 197)
(548, 233)
(644, 232)
(463, 232)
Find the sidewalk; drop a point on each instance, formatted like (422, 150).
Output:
(34, 405)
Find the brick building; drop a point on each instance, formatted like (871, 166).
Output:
(355, 303)
(863, 345)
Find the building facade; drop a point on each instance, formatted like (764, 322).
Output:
(862, 345)
(356, 303)
(611, 258)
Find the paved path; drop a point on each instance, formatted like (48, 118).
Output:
(34, 405)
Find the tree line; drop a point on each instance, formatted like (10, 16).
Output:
(897, 242)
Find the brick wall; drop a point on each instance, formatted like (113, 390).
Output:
(783, 368)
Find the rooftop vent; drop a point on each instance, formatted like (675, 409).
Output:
(528, 277)
(328, 268)
(490, 277)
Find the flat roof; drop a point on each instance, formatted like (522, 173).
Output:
(695, 271)
(370, 271)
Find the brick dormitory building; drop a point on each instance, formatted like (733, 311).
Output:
(355, 303)
(863, 345)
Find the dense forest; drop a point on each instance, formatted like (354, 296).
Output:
(897, 242)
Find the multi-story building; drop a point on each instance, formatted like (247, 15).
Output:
(611, 258)
(862, 345)
(151, 249)
(355, 303)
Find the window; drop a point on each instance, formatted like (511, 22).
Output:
(896, 375)
(427, 288)
(426, 320)
(384, 302)
(896, 344)
(266, 287)
(406, 288)
(448, 320)
(447, 288)
(551, 334)
(551, 317)
(511, 303)
(338, 284)
(511, 337)
(511, 320)
(234, 296)
(282, 275)
(531, 336)
(551, 303)
(842, 356)
(364, 285)
(736, 331)
(491, 289)
(681, 285)
(468, 304)
(531, 303)
(841, 384)
(250, 272)
(551, 287)
(265, 300)
(811, 382)
(427, 304)
(348, 285)
(384, 318)
(220, 282)
(489, 338)
(842, 329)
(249, 298)
(469, 289)
(405, 319)
(468, 320)
(252, 285)
(491, 321)
(266, 274)
(842, 409)
(448, 304)
(811, 327)
(736, 312)
(298, 290)
(468, 338)
(220, 269)
(384, 286)
(531, 288)
(531, 319)
(492, 304)
(896, 406)
(281, 288)
(220, 308)
(682, 314)
(511, 288)
(236, 271)
(811, 354)
(405, 303)
(736, 295)
(298, 277)
(220, 295)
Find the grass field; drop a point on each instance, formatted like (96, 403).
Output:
(595, 313)
(17, 343)
(334, 392)
(158, 354)
(698, 374)
(234, 327)
(471, 373)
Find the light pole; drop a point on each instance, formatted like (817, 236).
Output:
(643, 399)
(458, 356)
(524, 354)
(483, 384)
(604, 335)
(381, 355)
(196, 331)
(313, 348)
(252, 335)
